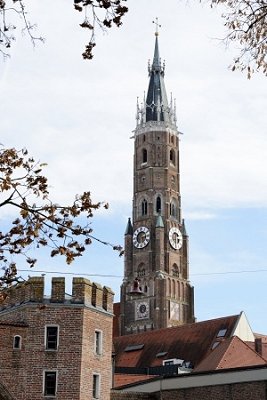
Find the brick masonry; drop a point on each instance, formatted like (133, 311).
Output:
(236, 391)
(26, 312)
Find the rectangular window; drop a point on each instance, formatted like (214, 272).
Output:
(51, 338)
(98, 342)
(96, 386)
(50, 383)
(17, 342)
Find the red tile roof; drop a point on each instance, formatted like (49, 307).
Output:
(126, 379)
(230, 353)
(189, 342)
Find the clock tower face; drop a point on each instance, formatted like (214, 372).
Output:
(142, 310)
(175, 238)
(141, 237)
(156, 248)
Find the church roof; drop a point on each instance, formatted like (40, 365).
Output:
(190, 342)
(157, 108)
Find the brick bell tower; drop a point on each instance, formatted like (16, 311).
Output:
(156, 292)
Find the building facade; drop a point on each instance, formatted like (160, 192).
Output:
(58, 347)
(156, 292)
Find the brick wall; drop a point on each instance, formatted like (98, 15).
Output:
(75, 361)
(236, 391)
(117, 395)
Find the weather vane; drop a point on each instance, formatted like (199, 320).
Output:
(157, 26)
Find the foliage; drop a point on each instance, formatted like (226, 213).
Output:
(247, 23)
(112, 15)
(101, 14)
(41, 223)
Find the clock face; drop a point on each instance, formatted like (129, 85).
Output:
(175, 238)
(141, 237)
(142, 310)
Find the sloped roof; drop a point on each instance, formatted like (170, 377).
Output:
(230, 353)
(190, 342)
(126, 379)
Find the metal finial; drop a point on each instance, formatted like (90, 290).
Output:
(157, 26)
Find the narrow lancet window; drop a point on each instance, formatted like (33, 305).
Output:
(172, 156)
(158, 205)
(144, 155)
(144, 207)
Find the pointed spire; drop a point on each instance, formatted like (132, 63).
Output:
(156, 59)
(183, 228)
(129, 228)
(157, 108)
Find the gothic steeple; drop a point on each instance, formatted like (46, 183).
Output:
(156, 107)
(156, 243)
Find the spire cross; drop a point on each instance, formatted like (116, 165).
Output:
(157, 26)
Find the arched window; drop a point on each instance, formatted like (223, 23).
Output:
(172, 156)
(173, 289)
(182, 291)
(141, 270)
(173, 208)
(169, 287)
(144, 207)
(17, 342)
(144, 153)
(175, 270)
(158, 205)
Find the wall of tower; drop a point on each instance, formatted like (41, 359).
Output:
(156, 250)
(156, 181)
(26, 313)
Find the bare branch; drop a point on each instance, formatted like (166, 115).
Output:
(247, 25)
(40, 222)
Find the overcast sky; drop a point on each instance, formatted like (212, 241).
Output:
(78, 116)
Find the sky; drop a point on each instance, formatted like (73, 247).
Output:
(78, 116)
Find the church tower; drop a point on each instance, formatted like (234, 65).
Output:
(156, 292)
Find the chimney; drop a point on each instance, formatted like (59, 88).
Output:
(258, 345)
